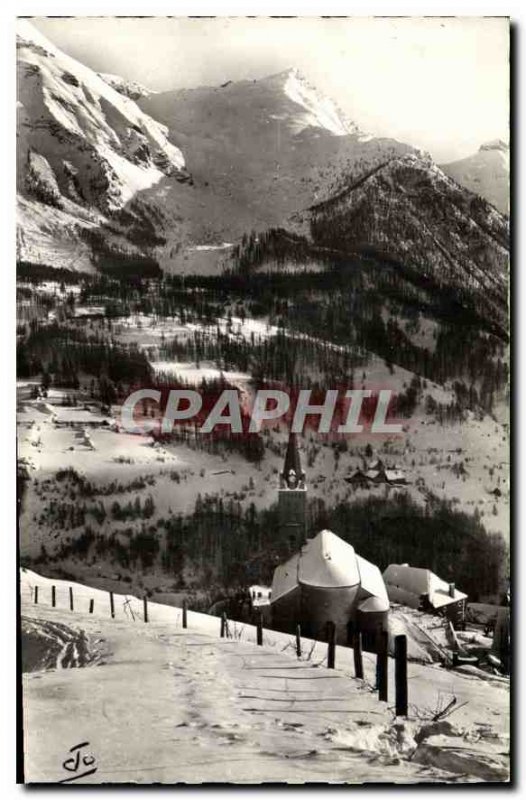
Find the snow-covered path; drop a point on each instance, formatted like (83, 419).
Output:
(164, 704)
(182, 706)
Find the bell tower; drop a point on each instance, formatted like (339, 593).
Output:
(292, 502)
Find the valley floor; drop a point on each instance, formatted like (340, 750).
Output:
(159, 704)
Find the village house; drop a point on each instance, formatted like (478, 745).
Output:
(377, 473)
(421, 589)
(259, 595)
(395, 477)
(358, 479)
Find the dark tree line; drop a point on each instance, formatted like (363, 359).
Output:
(61, 352)
(232, 546)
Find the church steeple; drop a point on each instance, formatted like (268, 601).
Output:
(292, 466)
(292, 504)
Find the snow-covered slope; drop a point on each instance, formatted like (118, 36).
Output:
(259, 151)
(225, 710)
(311, 109)
(104, 185)
(84, 149)
(487, 173)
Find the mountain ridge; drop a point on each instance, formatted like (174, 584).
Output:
(411, 210)
(176, 178)
(486, 172)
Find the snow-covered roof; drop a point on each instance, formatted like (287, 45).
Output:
(285, 577)
(394, 475)
(73, 414)
(407, 585)
(371, 579)
(257, 588)
(328, 562)
(374, 604)
(89, 311)
(372, 474)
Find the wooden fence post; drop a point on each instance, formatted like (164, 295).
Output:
(400, 644)
(350, 634)
(185, 618)
(36, 595)
(357, 650)
(53, 596)
(259, 631)
(298, 641)
(331, 648)
(70, 599)
(112, 606)
(145, 606)
(382, 663)
(224, 626)
(91, 603)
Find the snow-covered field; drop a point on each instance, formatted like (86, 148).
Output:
(190, 373)
(159, 703)
(145, 330)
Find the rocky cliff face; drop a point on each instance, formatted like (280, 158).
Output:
(130, 89)
(84, 152)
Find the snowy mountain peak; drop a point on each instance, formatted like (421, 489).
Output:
(291, 98)
(320, 111)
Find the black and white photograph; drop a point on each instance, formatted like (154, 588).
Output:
(263, 400)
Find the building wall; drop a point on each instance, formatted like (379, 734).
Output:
(292, 508)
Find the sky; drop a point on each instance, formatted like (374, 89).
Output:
(437, 83)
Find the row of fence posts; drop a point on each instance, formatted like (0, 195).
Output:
(92, 603)
(354, 640)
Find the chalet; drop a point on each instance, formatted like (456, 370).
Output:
(421, 589)
(395, 477)
(358, 479)
(375, 472)
(376, 475)
(259, 595)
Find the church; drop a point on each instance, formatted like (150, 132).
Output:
(324, 580)
(292, 503)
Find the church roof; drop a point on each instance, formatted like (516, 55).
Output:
(328, 562)
(292, 458)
